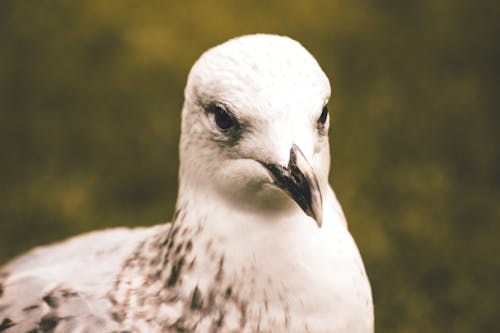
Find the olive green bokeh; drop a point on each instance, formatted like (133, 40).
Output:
(90, 99)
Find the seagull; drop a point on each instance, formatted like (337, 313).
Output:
(258, 241)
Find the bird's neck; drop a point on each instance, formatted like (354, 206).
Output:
(274, 267)
(225, 268)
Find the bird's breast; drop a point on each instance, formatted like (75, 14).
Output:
(290, 277)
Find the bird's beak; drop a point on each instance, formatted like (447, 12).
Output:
(299, 181)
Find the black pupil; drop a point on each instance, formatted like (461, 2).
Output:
(324, 115)
(222, 118)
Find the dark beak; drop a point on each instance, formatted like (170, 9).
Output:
(299, 181)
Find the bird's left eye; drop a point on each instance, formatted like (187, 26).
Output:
(324, 116)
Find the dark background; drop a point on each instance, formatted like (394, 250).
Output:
(90, 99)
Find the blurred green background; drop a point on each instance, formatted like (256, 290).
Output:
(90, 99)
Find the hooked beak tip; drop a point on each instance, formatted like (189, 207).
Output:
(299, 181)
(317, 218)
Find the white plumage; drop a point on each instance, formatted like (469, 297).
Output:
(259, 242)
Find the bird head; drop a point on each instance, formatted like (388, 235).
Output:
(255, 126)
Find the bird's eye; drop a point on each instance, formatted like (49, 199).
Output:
(222, 118)
(324, 116)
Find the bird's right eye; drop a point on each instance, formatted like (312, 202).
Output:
(222, 118)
